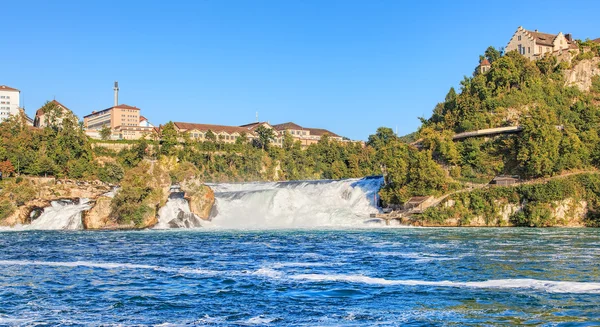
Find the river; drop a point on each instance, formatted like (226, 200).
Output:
(327, 277)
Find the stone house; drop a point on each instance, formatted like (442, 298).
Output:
(534, 45)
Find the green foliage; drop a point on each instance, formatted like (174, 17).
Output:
(131, 203)
(265, 137)
(169, 139)
(6, 209)
(105, 132)
(61, 149)
(111, 173)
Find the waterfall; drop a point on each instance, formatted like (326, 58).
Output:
(61, 214)
(176, 213)
(301, 204)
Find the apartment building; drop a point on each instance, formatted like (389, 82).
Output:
(9, 102)
(121, 115)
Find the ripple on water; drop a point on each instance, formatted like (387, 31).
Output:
(301, 278)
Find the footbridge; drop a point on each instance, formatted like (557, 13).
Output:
(488, 132)
(479, 133)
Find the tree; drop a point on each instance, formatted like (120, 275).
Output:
(6, 168)
(242, 139)
(168, 139)
(105, 132)
(492, 54)
(383, 137)
(539, 145)
(265, 136)
(211, 136)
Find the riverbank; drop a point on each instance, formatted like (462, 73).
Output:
(569, 201)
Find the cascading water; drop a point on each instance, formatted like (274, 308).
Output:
(295, 204)
(176, 213)
(61, 214)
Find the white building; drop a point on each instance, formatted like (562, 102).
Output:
(9, 102)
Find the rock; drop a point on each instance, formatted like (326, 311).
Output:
(200, 197)
(581, 75)
(99, 216)
(22, 214)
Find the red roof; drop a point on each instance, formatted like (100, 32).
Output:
(8, 88)
(212, 128)
(253, 126)
(288, 125)
(485, 62)
(142, 118)
(596, 40)
(321, 132)
(124, 106)
(121, 106)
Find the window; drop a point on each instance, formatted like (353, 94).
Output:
(528, 49)
(519, 38)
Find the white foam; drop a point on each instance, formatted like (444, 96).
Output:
(107, 265)
(60, 215)
(534, 284)
(525, 283)
(303, 204)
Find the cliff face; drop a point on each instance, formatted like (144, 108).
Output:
(581, 74)
(564, 213)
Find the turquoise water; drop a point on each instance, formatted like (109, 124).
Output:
(384, 277)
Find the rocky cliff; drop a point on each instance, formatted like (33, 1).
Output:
(571, 201)
(582, 73)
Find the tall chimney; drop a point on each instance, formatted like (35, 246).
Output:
(116, 93)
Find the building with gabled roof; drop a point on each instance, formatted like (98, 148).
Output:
(9, 102)
(42, 119)
(223, 133)
(305, 135)
(534, 45)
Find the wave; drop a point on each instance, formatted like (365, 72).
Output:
(534, 284)
(107, 265)
(525, 283)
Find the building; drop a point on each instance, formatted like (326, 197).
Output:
(121, 115)
(596, 40)
(125, 122)
(484, 66)
(306, 136)
(144, 122)
(223, 133)
(44, 119)
(9, 102)
(534, 45)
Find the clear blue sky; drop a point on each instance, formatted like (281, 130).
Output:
(348, 66)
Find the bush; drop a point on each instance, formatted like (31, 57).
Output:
(111, 173)
(6, 209)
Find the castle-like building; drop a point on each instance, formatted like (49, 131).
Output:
(534, 45)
